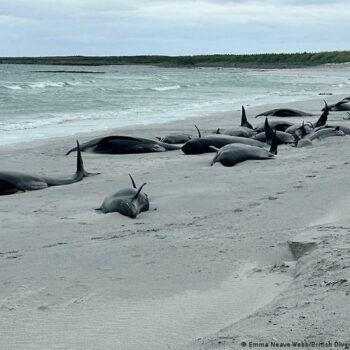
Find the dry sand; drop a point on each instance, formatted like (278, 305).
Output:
(212, 259)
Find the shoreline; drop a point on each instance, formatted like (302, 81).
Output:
(188, 122)
(60, 121)
(71, 270)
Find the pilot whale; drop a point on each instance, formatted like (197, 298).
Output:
(124, 145)
(13, 181)
(128, 201)
(201, 144)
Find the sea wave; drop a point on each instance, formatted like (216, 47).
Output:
(43, 84)
(45, 121)
(192, 85)
(46, 105)
(166, 88)
(12, 87)
(162, 77)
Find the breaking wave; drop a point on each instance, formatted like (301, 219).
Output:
(43, 85)
(166, 88)
(45, 121)
(12, 87)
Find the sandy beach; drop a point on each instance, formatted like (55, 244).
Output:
(255, 253)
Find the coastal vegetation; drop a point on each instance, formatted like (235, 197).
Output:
(268, 60)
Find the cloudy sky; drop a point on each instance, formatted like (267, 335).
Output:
(171, 27)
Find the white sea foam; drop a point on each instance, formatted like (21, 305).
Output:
(49, 120)
(166, 88)
(45, 84)
(12, 87)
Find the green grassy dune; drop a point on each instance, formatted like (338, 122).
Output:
(275, 60)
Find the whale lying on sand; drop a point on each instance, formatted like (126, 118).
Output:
(343, 105)
(267, 135)
(284, 112)
(234, 153)
(13, 181)
(176, 138)
(201, 144)
(128, 201)
(124, 145)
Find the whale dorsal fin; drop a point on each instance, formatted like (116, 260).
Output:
(139, 191)
(80, 164)
(199, 132)
(274, 143)
(268, 130)
(132, 181)
(322, 120)
(244, 120)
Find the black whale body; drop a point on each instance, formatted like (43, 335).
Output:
(176, 138)
(127, 201)
(13, 181)
(201, 145)
(124, 145)
(284, 112)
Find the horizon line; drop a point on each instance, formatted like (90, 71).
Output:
(184, 55)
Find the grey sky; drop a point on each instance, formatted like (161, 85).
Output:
(120, 27)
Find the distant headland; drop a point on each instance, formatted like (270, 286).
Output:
(267, 60)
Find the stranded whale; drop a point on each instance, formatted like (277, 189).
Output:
(13, 181)
(128, 201)
(175, 138)
(284, 112)
(234, 153)
(201, 144)
(124, 145)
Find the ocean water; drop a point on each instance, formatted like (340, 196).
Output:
(36, 103)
